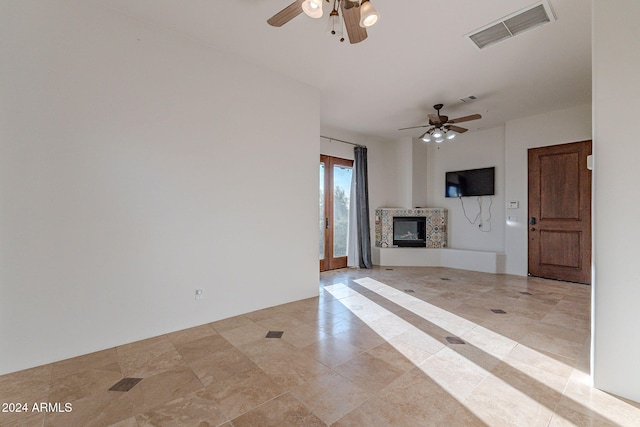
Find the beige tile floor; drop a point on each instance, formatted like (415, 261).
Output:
(381, 347)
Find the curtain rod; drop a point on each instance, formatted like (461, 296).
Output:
(345, 142)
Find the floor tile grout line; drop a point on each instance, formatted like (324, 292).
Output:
(255, 407)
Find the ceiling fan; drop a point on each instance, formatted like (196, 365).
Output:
(440, 127)
(356, 14)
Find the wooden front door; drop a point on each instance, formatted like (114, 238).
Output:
(335, 188)
(560, 212)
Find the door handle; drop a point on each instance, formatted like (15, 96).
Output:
(533, 229)
(532, 220)
(326, 223)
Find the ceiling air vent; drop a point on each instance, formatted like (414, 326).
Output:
(514, 24)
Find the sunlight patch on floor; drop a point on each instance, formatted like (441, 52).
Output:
(454, 372)
(492, 343)
(526, 383)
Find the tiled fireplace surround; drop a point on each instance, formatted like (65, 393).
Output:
(436, 225)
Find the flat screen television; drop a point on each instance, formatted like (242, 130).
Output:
(473, 182)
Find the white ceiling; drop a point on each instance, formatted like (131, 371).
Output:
(415, 56)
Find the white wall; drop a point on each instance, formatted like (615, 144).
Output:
(616, 100)
(404, 167)
(135, 168)
(410, 162)
(479, 149)
(551, 128)
(420, 174)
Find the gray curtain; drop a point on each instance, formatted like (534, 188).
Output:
(362, 207)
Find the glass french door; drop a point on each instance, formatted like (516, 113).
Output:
(335, 189)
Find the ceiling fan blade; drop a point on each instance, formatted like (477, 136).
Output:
(351, 17)
(465, 118)
(416, 127)
(286, 14)
(457, 129)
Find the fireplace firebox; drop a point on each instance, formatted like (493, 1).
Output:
(409, 231)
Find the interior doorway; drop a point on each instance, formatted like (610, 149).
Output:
(335, 189)
(560, 212)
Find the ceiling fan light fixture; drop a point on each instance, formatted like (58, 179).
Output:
(437, 133)
(345, 17)
(451, 135)
(312, 8)
(425, 137)
(439, 140)
(368, 14)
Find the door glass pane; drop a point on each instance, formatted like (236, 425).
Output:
(341, 193)
(321, 215)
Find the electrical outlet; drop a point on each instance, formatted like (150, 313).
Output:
(199, 294)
